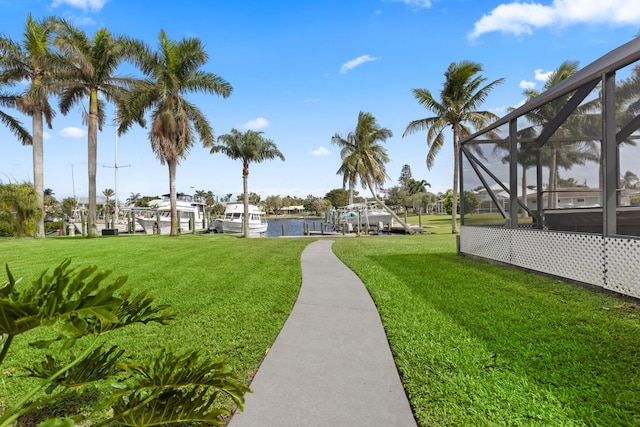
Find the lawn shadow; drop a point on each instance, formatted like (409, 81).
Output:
(572, 342)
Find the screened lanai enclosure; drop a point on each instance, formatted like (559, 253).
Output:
(554, 186)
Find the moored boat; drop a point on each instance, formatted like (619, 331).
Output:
(157, 220)
(231, 222)
(365, 213)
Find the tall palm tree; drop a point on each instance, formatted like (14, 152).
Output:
(364, 158)
(463, 92)
(248, 147)
(563, 154)
(172, 71)
(13, 124)
(31, 60)
(90, 75)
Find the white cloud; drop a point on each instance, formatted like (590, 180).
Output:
(499, 111)
(539, 76)
(46, 135)
(72, 132)
(415, 3)
(542, 76)
(350, 65)
(86, 5)
(84, 21)
(522, 18)
(321, 151)
(256, 124)
(524, 84)
(521, 103)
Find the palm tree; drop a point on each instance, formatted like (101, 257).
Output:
(461, 96)
(14, 125)
(364, 158)
(629, 180)
(562, 154)
(108, 193)
(248, 147)
(91, 64)
(200, 195)
(414, 186)
(133, 198)
(172, 72)
(32, 61)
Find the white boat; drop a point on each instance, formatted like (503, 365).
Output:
(365, 213)
(157, 220)
(231, 222)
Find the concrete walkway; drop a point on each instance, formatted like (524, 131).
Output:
(331, 364)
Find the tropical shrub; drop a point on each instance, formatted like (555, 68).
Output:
(19, 211)
(52, 226)
(76, 311)
(471, 202)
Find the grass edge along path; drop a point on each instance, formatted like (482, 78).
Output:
(481, 344)
(232, 295)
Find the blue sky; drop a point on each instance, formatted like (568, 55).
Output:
(301, 72)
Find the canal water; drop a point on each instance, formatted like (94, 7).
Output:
(292, 226)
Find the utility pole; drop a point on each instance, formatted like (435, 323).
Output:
(116, 167)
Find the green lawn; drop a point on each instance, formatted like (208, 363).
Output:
(232, 295)
(474, 343)
(480, 344)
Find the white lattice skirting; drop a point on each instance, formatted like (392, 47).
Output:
(610, 263)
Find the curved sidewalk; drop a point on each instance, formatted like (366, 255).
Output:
(331, 364)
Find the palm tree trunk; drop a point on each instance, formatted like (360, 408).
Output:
(38, 180)
(92, 149)
(408, 229)
(173, 165)
(454, 191)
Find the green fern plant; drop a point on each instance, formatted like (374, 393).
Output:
(76, 305)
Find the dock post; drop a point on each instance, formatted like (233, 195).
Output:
(158, 222)
(283, 229)
(84, 224)
(420, 218)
